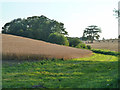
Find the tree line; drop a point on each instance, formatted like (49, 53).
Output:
(35, 27)
(43, 28)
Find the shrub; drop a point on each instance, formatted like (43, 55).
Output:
(81, 45)
(88, 47)
(58, 39)
(73, 41)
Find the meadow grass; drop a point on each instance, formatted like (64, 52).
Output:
(97, 71)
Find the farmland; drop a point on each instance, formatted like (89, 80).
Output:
(57, 44)
(107, 44)
(15, 47)
(91, 71)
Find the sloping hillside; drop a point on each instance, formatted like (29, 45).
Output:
(15, 47)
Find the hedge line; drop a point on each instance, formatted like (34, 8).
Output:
(106, 52)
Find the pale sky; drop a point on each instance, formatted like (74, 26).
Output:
(75, 14)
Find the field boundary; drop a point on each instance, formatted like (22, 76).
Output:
(105, 52)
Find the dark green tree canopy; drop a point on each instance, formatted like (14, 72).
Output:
(36, 27)
(91, 32)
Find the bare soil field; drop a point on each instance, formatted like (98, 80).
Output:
(16, 47)
(111, 45)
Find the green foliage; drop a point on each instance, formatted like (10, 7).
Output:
(92, 72)
(73, 41)
(36, 27)
(81, 45)
(91, 33)
(58, 39)
(106, 52)
(88, 47)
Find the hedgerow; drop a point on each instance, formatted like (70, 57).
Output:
(106, 52)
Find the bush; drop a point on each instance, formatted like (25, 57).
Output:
(88, 47)
(81, 45)
(73, 41)
(58, 39)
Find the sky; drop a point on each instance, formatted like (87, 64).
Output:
(75, 14)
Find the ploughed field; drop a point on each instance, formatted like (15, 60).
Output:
(20, 48)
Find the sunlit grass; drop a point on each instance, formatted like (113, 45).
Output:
(99, 57)
(97, 71)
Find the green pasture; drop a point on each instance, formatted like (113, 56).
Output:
(97, 71)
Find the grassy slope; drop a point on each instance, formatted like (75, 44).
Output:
(97, 71)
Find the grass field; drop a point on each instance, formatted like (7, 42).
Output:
(97, 71)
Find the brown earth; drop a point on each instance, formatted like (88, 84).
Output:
(15, 47)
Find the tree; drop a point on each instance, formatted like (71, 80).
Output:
(117, 13)
(103, 39)
(92, 32)
(58, 39)
(35, 27)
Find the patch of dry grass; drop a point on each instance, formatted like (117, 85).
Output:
(111, 45)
